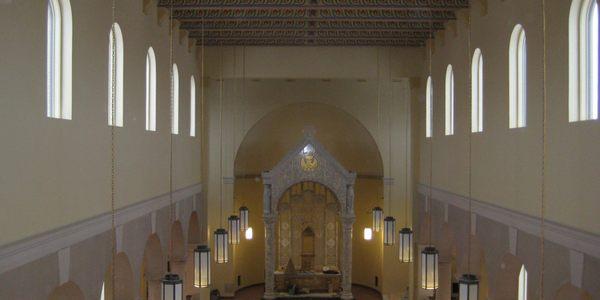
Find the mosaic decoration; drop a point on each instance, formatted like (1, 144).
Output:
(394, 23)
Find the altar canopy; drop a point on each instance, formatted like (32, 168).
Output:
(308, 178)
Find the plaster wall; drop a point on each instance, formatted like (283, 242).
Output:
(506, 163)
(57, 172)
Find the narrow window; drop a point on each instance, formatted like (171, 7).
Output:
(175, 101)
(583, 60)
(428, 108)
(449, 100)
(59, 59)
(115, 68)
(150, 90)
(477, 92)
(517, 78)
(522, 284)
(192, 106)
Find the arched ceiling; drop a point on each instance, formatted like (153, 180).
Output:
(272, 137)
(400, 23)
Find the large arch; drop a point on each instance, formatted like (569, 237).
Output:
(344, 136)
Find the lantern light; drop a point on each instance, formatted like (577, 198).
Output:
(389, 231)
(172, 287)
(469, 287)
(377, 218)
(244, 223)
(221, 246)
(368, 234)
(202, 266)
(234, 229)
(249, 233)
(405, 254)
(429, 268)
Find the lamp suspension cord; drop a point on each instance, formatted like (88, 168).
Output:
(431, 112)
(172, 95)
(221, 139)
(469, 120)
(407, 137)
(113, 93)
(390, 135)
(544, 149)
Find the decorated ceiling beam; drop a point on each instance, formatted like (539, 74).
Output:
(313, 42)
(418, 4)
(314, 15)
(299, 24)
(393, 34)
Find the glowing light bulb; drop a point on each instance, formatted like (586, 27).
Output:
(249, 233)
(368, 234)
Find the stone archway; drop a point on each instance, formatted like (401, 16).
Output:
(308, 161)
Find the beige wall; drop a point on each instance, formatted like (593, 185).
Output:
(56, 172)
(506, 163)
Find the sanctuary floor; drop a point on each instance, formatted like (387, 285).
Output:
(256, 292)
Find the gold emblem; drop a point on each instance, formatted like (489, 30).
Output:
(308, 162)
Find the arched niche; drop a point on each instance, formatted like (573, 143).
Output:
(123, 275)
(153, 268)
(67, 291)
(308, 161)
(506, 285)
(570, 292)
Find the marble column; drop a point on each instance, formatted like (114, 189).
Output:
(347, 222)
(348, 218)
(269, 218)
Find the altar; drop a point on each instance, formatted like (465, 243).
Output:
(308, 210)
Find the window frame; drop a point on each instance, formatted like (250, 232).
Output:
(59, 59)
(175, 100)
(449, 100)
(429, 108)
(477, 91)
(115, 36)
(517, 78)
(150, 90)
(192, 106)
(522, 284)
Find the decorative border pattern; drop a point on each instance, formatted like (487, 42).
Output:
(22, 252)
(568, 237)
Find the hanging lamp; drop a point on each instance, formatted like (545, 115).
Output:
(389, 223)
(244, 224)
(405, 253)
(234, 229)
(171, 284)
(202, 252)
(221, 234)
(468, 282)
(249, 233)
(377, 218)
(172, 287)
(368, 234)
(430, 255)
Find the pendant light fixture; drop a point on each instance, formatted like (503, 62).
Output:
(389, 223)
(171, 284)
(221, 234)
(368, 234)
(468, 282)
(405, 252)
(377, 218)
(202, 252)
(172, 287)
(377, 212)
(249, 233)
(234, 229)
(430, 255)
(244, 224)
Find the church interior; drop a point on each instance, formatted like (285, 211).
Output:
(299, 149)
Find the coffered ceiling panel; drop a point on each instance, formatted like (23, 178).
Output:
(397, 23)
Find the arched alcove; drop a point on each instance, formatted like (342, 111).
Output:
(67, 291)
(570, 292)
(153, 268)
(194, 234)
(123, 275)
(506, 284)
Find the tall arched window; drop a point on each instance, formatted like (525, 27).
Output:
(59, 59)
(428, 108)
(192, 106)
(583, 60)
(150, 90)
(175, 101)
(522, 284)
(115, 52)
(477, 92)
(449, 100)
(517, 78)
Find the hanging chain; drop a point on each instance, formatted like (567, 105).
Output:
(113, 91)
(469, 120)
(221, 139)
(202, 111)
(407, 137)
(171, 209)
(431, 126)
(390, 135)
(544, 146)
